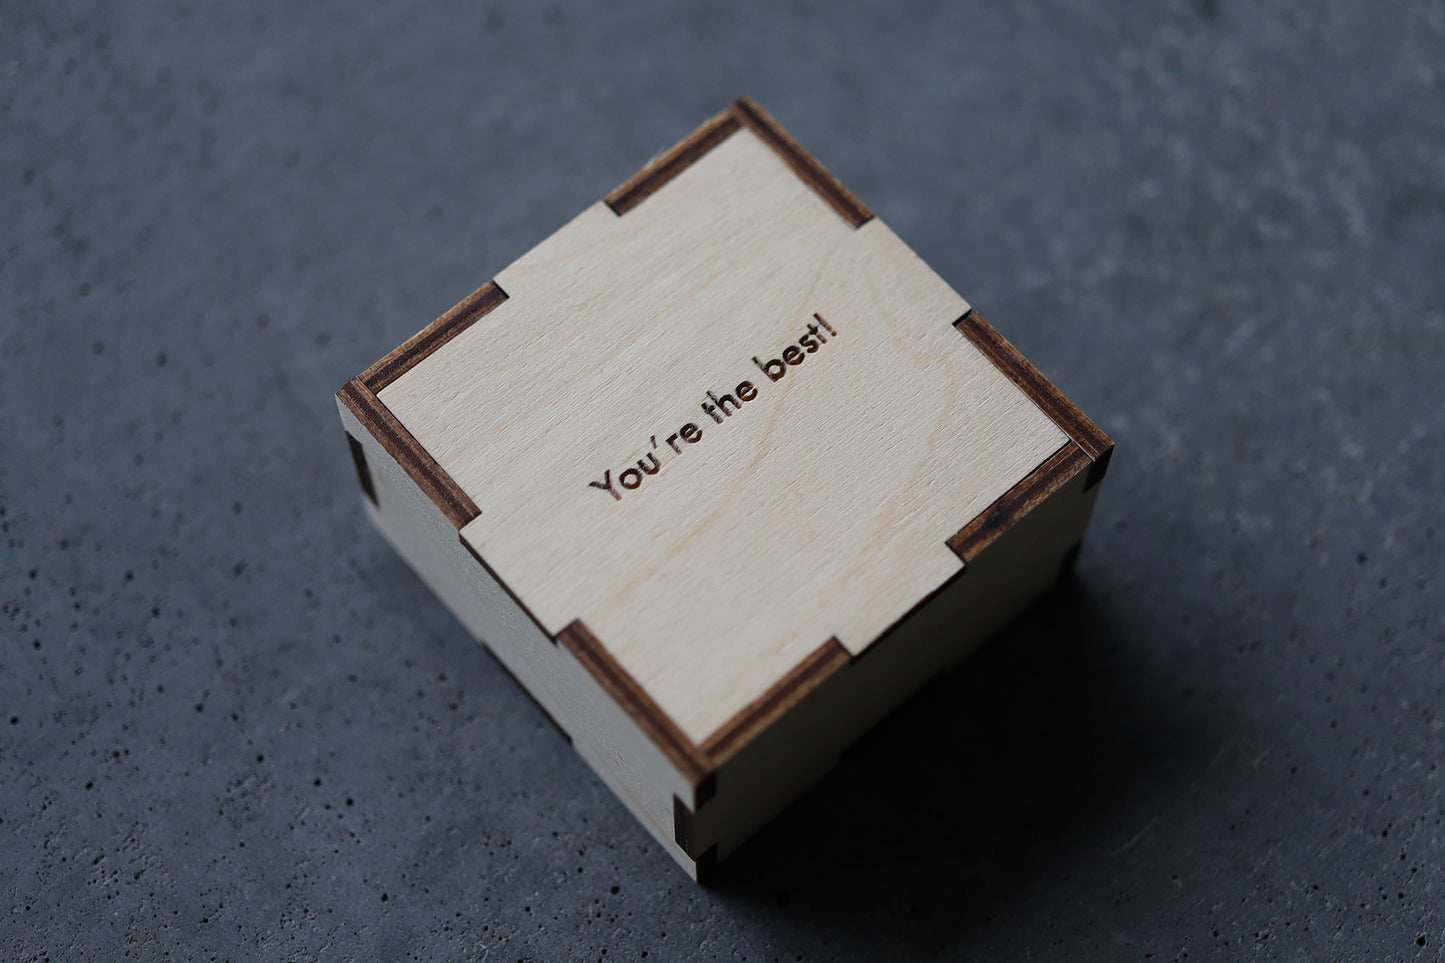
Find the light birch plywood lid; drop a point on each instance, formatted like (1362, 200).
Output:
(711, 561)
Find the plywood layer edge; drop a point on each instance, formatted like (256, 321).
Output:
(698, 761)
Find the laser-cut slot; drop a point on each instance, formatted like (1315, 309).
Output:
(363, 471)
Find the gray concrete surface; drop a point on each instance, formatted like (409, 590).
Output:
(233, 726)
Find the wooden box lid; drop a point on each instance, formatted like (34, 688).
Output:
(812, 517)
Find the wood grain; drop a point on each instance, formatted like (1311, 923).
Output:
(625, 691)
(669, 623)
(782, 696)
(744, 113)
(802, 163)
(401, 445)
(1019, 501)
(609, 741)
(1073, 422)
(819, 508)
(656, 174)
(521, 606)
(472, 308)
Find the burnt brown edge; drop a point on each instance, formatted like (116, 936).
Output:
(414, 349)
(1054, 473)
(618, 683)
(698, 765)
(430, 477)
(738, 731)
(1088, 448)
(1041, 391)
(359, 395)
(646, 182)
(1061, 472)
(744, 113)
(787, 692)
(805, 165)
(693, 763)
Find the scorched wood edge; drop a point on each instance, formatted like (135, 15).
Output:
(721, 471)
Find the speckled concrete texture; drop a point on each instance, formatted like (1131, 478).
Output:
(234, 726)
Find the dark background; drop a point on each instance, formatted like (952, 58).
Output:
(235, 726)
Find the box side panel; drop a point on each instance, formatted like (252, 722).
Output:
(631, 765)
(423, 535)
(1014, 569)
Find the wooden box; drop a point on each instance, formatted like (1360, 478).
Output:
(722, 471)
